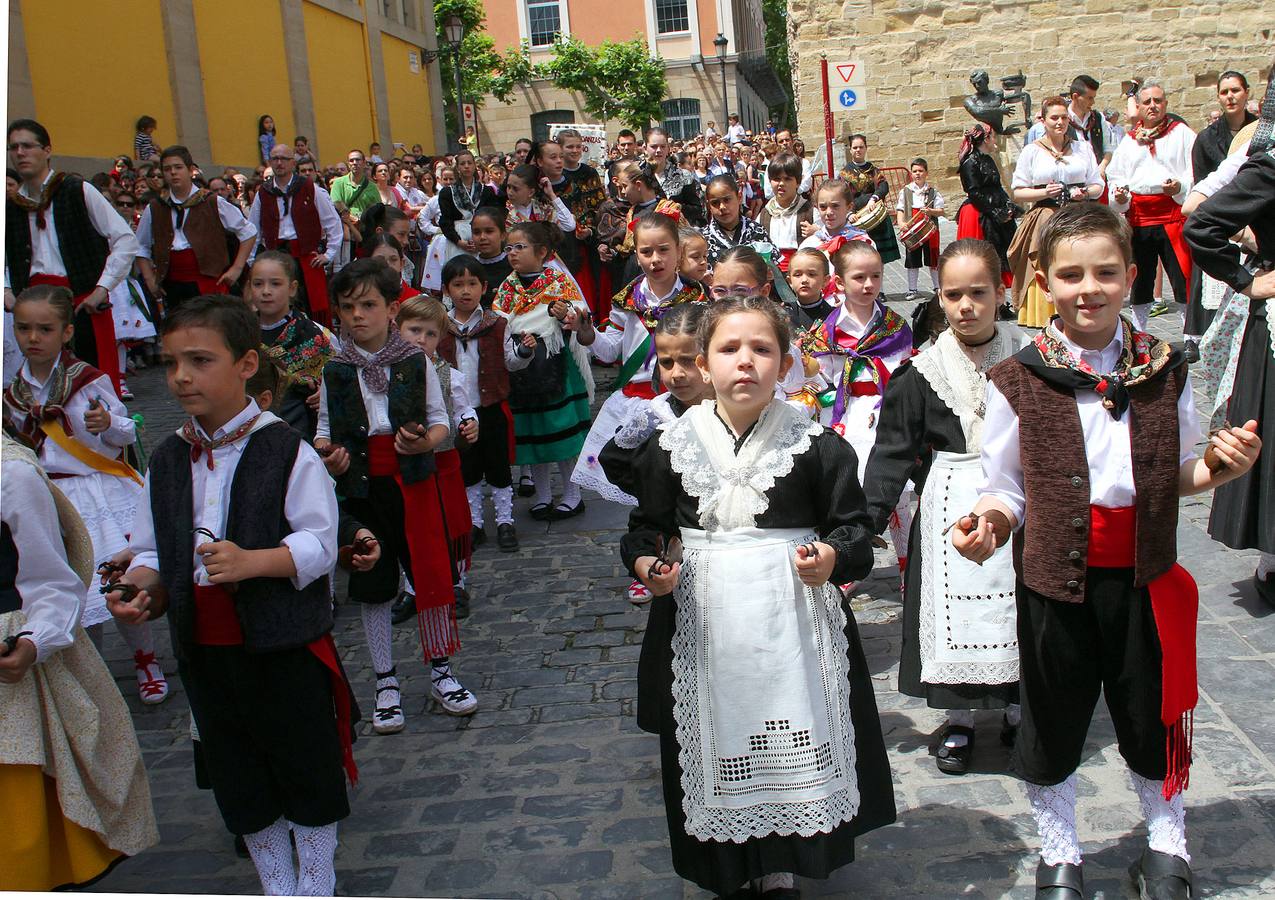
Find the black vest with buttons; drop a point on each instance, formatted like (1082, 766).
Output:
(83, 249)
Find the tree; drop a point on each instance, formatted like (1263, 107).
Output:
(616, 80)
(480, 63)
(775, 16)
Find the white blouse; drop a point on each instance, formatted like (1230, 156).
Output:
(1037, 166)
(121, 433)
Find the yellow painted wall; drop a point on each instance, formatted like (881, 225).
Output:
(338, 82)
(408, 91)
(89, 93)
(245, 76)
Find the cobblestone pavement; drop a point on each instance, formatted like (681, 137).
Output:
(551, 791)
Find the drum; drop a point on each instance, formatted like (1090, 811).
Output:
(870, 217)
(918, 231)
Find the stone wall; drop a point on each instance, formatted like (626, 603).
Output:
(918, 55)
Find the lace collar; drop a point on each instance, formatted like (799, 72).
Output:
(959, 384)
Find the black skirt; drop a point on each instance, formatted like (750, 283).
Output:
(1243, 516)
(936, 696)
(722, 866)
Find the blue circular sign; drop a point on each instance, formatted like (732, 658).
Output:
(848, 98)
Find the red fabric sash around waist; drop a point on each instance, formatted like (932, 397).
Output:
(427, 544)
(216, 622)
(183, 266)
(316, 281)
(1146, 210)
(642, 389)
(108, 361)
(864, 389)
(1175, 601)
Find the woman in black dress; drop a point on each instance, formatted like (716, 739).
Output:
(987, 213)
(870, 186)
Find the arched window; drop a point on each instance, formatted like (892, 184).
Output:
(681, 118)
(541, 121)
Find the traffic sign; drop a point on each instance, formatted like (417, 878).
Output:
(847, 73)
(849, 98)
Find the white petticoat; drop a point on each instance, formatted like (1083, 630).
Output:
(441, 252)
(761, 690)
(618, 409)
(107, 504)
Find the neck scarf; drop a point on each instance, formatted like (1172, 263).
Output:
(527, 306)
(396, 350)
(293, 185)
(1142, 358)
(68, 376)
(47, 194)
(198, 197)
(300, 357)
(467, 199)
(1058, 155)
(1148, 136)
(888, 335)
(778, 212)
(201, 446)
(638, 299)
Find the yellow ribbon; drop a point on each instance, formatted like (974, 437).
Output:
(53, 429)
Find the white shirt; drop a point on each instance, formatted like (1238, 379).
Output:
(121, 433)
(1133, 166)
(736, 133)
(232, 220)
(52, 594)
(1224, 174)
(329, 220)
(467, 358)
(427, 218)
(1037, 166)
(309, 506)
(46, 258)
(563, 217)
(1111, 134)
(1107, 440)
(377, 405)
(624, 332)
(918, 196)
(462, 401)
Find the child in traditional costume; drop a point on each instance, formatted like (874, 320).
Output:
(69, 412)
(833, 201)
(727, 226)
(919, 196)
(960, 647)
(1087, 447)
(234, 541)
(787, 218)
(550, 398)
(71, 772)
(771, 749)
(488, 228)
(381, 411)
(298, 345)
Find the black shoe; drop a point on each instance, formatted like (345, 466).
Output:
(541, 512)
(526, 486)
(955, 760)
(241, 847)
(480, 536)
(462, 602)
(1009, 733)
(781, 894)
(506, 538)
(403, 609)
(1065, 881)
(1265, 588)
(1162, 876)
(562, 511)
(1192, 349)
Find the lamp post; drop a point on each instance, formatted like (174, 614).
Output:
(454, 31)
(720, 43)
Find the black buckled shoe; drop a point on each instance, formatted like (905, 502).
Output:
(480, 536)
(1162, 876)
(404, 608)
(955, 760)
(506, 538)
(1065, 881)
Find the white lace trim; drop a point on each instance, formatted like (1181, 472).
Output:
(693, 688)
(959, 384)
(731, 489)
(642, 424)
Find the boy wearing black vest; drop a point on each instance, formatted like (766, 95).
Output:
(235, 544)
(381, 414)
(183, 236)
(1088, 444)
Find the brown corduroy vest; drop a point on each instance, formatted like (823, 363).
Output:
(203, 229)
(1051, 549)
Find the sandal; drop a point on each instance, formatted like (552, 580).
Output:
(1162, 876)
(1065, 881)
(542, 512)
(955, 760)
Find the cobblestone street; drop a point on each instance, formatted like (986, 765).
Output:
(551, 791)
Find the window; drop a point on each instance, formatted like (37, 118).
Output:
(671, 16)
(681, 118)
(541, 121)
(544, 20)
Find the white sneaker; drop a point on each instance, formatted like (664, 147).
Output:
(152, 686)
(451, 695)
(389, 706)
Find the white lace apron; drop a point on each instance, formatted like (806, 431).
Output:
(760, 673)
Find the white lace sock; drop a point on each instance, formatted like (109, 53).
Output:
(377, 627)
(503, 500)
(138, 637)
(913, 276)
(778, 880)
(271, 853)
(1138, 313)
(544, 488)
(962, 718)
(316, 854)
(1266, 565)
(1014, 714)
(1166, 819)
(474, 494)
(1054, 806)
(934, 279)
(901, 528)
(570, 490)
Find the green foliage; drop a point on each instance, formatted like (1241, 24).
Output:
(480, 63)
(775, 16)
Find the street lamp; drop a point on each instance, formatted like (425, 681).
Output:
(720, 43)
(454, 31)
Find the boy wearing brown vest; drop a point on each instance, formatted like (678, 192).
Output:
(1093, 508)
(183, 236)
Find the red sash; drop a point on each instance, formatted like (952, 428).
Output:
(642, 389)
(216, 622)
(1175, 601)
(184, 266)
(316, 284)
(451, 489)
(1146, 210)
(108, 361)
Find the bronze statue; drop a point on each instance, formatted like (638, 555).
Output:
(992, 107)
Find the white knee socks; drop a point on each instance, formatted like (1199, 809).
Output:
(474, 494)
(544, 489)
(934, 278)
(913, 276)
(272, 855)
(377, 628)
(570, 490)
(316, 853)
(1166, 819)
(1054, 807)
(503, 500)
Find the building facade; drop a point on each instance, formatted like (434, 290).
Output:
(917, 56)
(343, 73)
(680, 32)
